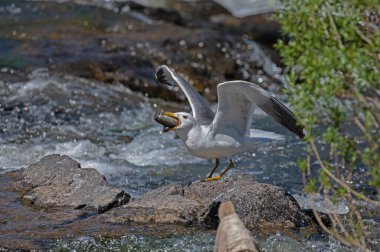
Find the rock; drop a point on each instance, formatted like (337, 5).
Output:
(65, 197)
(256, 203)
(59, 181)
(260, 206)
(25, 228)
(124, 44)
(163, 205)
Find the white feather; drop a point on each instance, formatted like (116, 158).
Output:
(264, 136)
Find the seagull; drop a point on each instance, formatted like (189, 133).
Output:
(228, 131)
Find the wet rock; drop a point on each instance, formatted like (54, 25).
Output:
(260, 206)
(59, 181)
(25, 228)
(125, 42)
(55, 199)
(163, 205)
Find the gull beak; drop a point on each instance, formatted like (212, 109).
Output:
(172, 115)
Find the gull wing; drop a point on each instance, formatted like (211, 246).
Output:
(201, 111)
(237, 101)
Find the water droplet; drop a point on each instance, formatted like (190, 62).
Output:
(182, 43)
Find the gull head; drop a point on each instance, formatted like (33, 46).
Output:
(185, 121)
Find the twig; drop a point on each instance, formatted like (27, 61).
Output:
(360, 220)
(332, 22)
(364, 100)
(338, 181)
(328, 231)
(363, 129)
(333, 217)
(362, 36)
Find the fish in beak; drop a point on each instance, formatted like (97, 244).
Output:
(168, 119)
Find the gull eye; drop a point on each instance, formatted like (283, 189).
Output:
(184, 117)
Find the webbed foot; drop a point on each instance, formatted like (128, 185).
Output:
(213, 178)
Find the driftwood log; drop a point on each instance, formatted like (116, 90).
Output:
(232, 235)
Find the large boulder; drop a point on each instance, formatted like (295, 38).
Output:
(260, 206)
(59, 181)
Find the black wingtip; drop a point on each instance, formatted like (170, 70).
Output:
(287, 118)
(163, 75)
(160, 74)
(301, 133)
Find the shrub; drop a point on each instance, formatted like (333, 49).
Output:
(332, 54)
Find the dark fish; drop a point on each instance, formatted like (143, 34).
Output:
(167, 121)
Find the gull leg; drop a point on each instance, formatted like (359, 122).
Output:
(214, 169)
(230, 165)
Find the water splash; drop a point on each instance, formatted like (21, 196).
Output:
(321, 203)
(153, 149)
(199, 242)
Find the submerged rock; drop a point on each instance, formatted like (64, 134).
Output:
(59, 181)
(260, 206)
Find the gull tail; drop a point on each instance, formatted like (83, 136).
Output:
(264, 136)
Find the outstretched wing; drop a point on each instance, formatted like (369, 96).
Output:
(201, 111)
(236, 102)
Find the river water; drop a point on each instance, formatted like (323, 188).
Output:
(110, 128)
